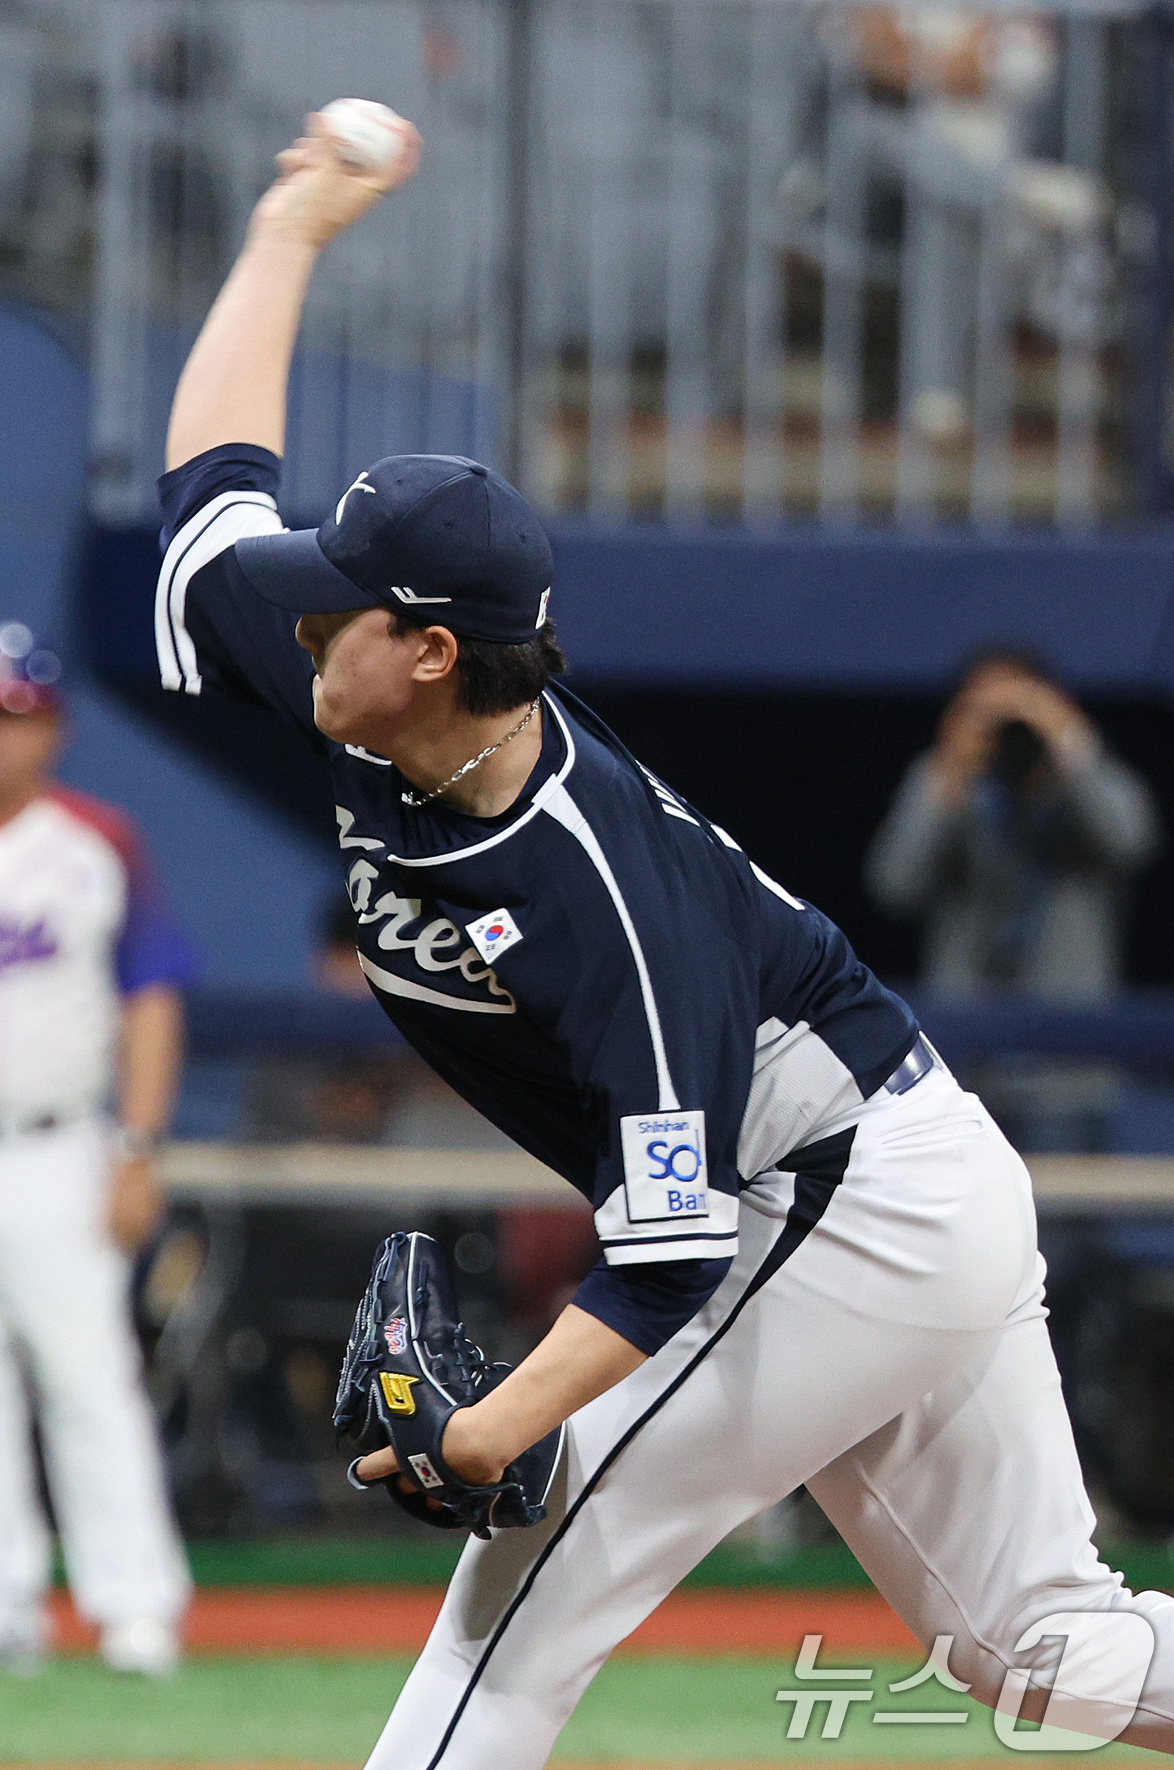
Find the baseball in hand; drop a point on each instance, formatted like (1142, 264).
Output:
(376, 136)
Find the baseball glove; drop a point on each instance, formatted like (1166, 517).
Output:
(409, 1365)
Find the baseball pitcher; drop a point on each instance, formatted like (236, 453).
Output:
(819, 1261)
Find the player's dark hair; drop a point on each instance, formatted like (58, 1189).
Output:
(497, 678)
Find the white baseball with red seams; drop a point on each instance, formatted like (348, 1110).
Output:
(375, 134)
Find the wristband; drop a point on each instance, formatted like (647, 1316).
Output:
(133, 1144)
(356, 1480)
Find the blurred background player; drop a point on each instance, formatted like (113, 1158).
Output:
(90, 970)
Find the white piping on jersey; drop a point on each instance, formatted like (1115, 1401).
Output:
(537, 804)
(773, 885)
(690, 1247)
(763, 878)
(209, 533)
(624, 1243)
(563, 809)
(362, 755)
(419, 992)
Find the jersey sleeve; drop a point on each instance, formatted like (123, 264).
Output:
(151, 947)
(666, 1186)
(213, 633)
(646, 1305)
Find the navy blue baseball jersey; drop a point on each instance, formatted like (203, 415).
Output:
(600, 971)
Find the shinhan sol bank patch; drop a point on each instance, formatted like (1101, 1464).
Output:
(665, 1173)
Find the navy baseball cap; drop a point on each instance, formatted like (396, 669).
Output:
(434, 535)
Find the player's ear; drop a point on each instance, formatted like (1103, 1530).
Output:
(437, 657)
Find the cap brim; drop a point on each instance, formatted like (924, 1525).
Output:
(291, 571)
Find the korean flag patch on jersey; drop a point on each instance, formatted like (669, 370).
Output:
(494, 934)
(665, 1172)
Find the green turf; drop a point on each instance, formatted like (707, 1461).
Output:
(341, 1561)
(327, 1561)
(290, 1707)
(725, 1708)
(429, 1559)
(331, 1710)
(346, 1561)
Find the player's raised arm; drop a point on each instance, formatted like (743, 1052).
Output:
(233, 388)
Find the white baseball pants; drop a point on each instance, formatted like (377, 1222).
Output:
(64, 1315)
(898, 1363)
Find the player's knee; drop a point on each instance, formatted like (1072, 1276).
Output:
(1093, 1654)
(982, 1665)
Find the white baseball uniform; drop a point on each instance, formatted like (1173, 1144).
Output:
(898, 1363)
(80, 926)
(826, 1248)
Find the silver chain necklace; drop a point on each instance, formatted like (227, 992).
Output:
(415, 799)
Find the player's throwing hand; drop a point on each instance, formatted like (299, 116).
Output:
(323, 187)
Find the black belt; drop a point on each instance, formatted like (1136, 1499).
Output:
(911, 1069)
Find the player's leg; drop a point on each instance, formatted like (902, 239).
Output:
(531, 1616)
(25, 1557)
(969, 1513)
(69, 1305)
(740, 1408)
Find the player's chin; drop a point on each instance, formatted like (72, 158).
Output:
(353, 713)
(333, 721)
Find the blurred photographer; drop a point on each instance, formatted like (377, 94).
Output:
(1012, 840)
